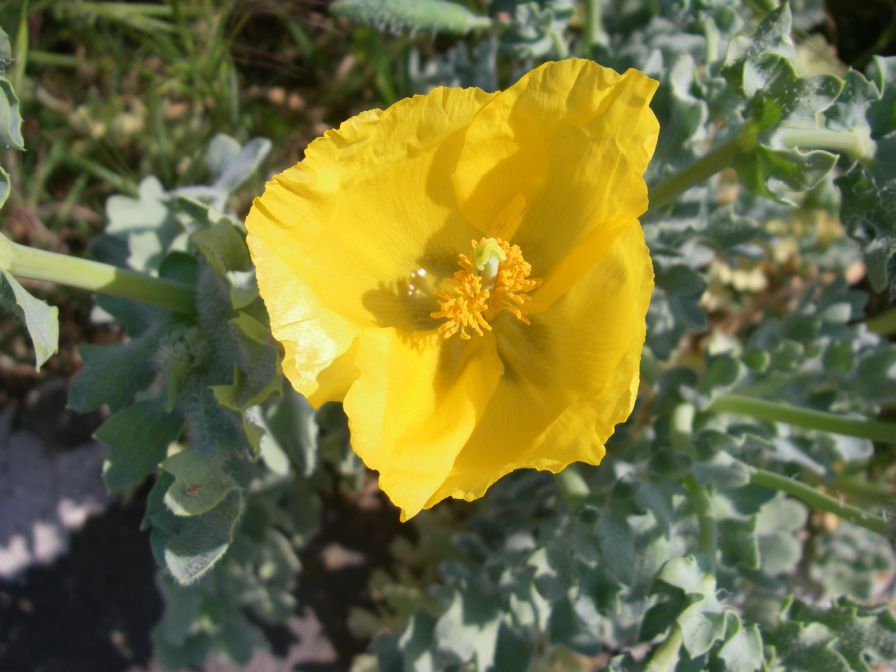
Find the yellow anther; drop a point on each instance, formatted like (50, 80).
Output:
(495, 279)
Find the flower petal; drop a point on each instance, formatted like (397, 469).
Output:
(312, 336)
(569, 378)
(414, 406)
(371, 205)
(558, 153)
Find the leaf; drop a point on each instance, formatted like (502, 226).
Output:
(424, 15)
(727, 229)
(100, 380)
(138, 438)
(679, 279)
(617, 545)
(5, 51)
(259, 437)
(414, 643)
(722, 470)
(467, 630)
(201, 541)
(771, 172)
(292, 422)
(10, 118)
(40, 319)
(231, 164)
(702, 621)
(738, 543)
(257, 374)
(844, 637)
(199, 483)
(223, 246)
(4, 186)
(743, 650)
(147, 212)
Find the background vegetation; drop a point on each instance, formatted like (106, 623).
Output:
(112, 92)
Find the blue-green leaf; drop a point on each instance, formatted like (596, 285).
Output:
(138, 438)
(40, 319)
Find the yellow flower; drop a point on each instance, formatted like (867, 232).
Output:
(465, 271)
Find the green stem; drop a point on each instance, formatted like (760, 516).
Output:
(593, 24)
(704, 168)
(883, 324)
(856, 143)
(863, 428)
(703, 508)
(26, 262)
(665, 658)
(819, 500)
(860, 489)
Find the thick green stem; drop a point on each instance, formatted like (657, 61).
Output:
(856, 143)
(717, 160)
(864, 428)
(883, 324)
(26, 262)
(819, 500)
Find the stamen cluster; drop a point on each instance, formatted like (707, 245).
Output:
(474, 300)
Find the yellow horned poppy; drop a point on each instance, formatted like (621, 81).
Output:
(465, 271)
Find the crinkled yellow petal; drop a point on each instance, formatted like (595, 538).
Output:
(312, 336)
(414, 405)
(339, 238)
(558, 153)
(569, 378)
(371, 205)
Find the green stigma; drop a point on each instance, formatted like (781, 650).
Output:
(487, 255)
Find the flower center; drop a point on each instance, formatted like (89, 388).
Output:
(496, 279)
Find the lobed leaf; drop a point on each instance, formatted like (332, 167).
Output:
(40, 319)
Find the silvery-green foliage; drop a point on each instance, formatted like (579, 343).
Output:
(203, 407)
(668, 556)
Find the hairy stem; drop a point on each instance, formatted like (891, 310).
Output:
(26, 262)
(774, 411)
(819, 500)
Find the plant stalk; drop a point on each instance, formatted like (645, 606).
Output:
(856, 143)
(819, 500)
(702, 169)
(863, 428)
(593, 24)
(26, 262)
(708, 539)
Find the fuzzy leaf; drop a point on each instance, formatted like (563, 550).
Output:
(138, 438)
(200, 541)
(223, 246)
(425, 15)
(199, 483)
(100, 381)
